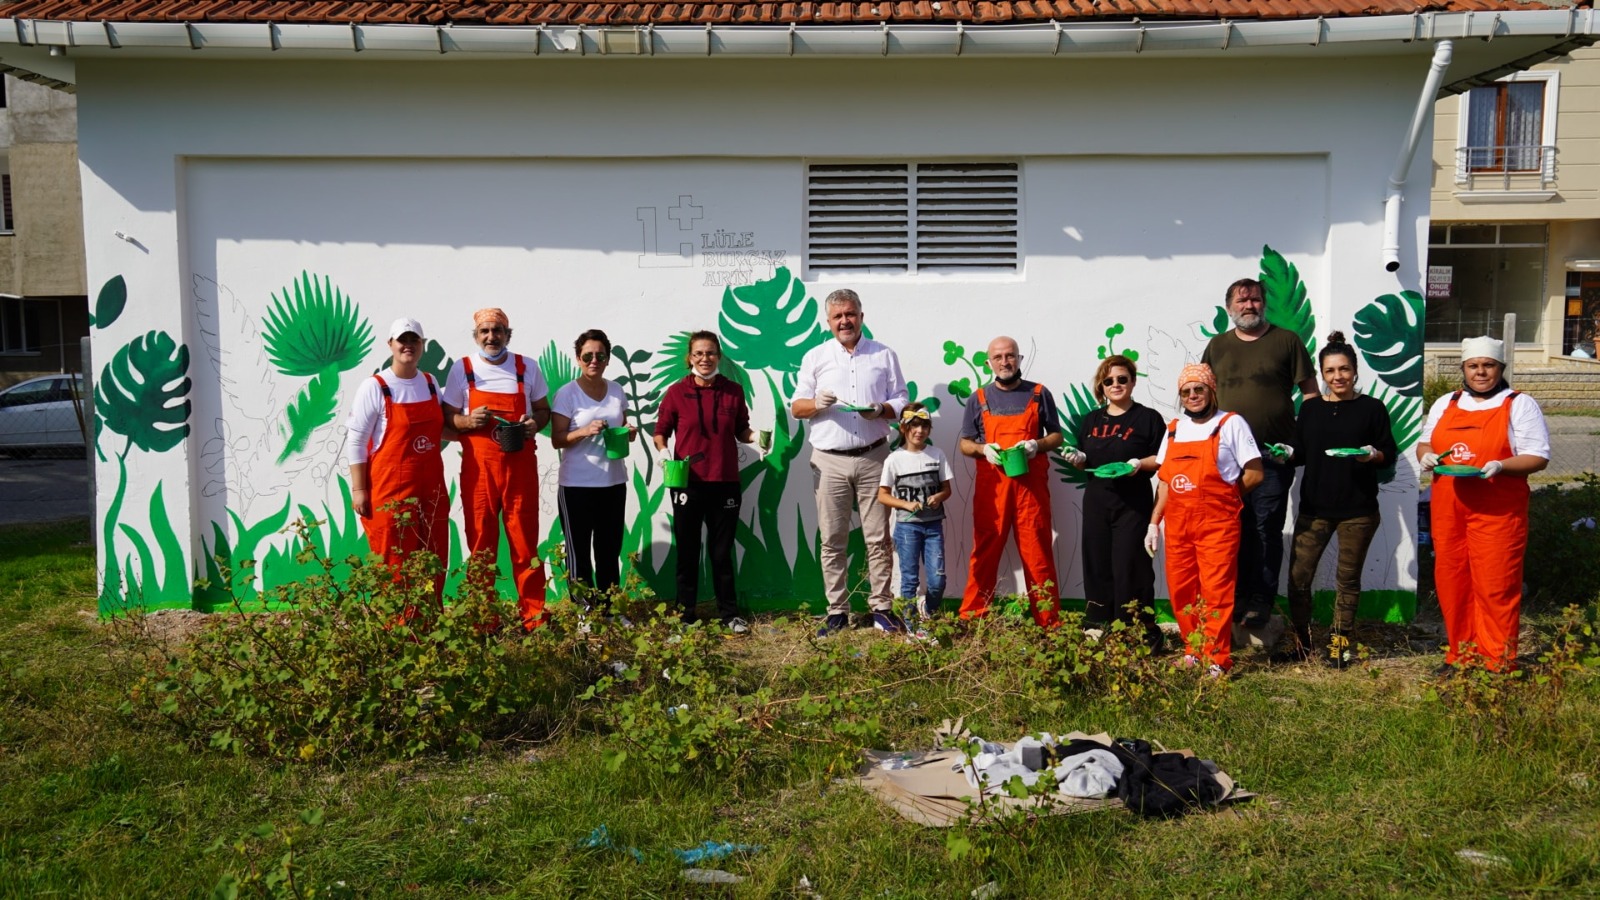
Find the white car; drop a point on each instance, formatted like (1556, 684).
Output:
(39, 414)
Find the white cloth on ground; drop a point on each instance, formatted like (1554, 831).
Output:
(1092, 774)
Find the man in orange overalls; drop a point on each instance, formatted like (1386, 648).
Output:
(1012, 412)
(1480, 522)
(499, 479)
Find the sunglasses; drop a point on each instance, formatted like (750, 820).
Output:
(915, 415)
(594, 357)
(1109, 380)
(1198, 390)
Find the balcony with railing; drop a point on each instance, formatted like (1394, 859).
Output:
(1528, 169)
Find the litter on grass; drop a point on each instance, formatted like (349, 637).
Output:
(600, 839)
(710, 876)
(710, 850)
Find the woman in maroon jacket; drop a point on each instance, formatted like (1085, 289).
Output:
(706, 413)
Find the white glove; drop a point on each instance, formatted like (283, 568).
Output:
(991, 452)
(1368, 451)
(825, 399)
(1076, 458)
(1282, 451)
(1429, 460)
(1137, 464)
(1152, 540)
(1030, 447)
(1492, 468)
(873, 413)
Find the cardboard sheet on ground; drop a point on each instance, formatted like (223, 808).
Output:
(930, 792)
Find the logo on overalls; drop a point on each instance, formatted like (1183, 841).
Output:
(1182, 484)
(422, 444)
(1460, 452)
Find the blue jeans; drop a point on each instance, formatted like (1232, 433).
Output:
(1261, 543)
(920, 542)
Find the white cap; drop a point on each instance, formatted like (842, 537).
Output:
(1475, 348)
(401, 326)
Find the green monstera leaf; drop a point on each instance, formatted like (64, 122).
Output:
(312, 326)
(143, 392)
(435, 361)
(770, 324)
(109, 305)
(1287, 306)
(1388, 332)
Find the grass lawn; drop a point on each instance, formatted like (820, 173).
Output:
(1369, 785)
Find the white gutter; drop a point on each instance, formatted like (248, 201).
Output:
(1408, 149)
(1042, 39)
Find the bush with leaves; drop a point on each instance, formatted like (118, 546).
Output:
(1562, 563)
(365, 663)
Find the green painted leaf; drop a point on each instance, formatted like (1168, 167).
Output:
(1287, 306)
(1388, 332)
(952, 352)
(312, 326)
(1074, 406)
(961, 389)
(770, 324)
(1219, 324)
(1405, 423)
(143, 392)
(559, 368)
(313, 407)
(109, 305)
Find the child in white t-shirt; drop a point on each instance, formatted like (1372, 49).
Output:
(916, 483)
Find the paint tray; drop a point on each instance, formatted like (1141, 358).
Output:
(1459, 471)
(1112, 470)
(851, 407)
(1345, 451)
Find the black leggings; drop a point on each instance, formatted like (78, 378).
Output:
(713, 505)
(1116, 569)
(592, 518)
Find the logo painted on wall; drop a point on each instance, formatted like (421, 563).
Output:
(653, 252)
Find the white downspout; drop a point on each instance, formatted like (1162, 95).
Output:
(1397, 178)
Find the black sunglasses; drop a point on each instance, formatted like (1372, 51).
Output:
(1109, 380)
(595, 357)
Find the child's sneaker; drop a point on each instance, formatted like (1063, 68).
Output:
(927, 607)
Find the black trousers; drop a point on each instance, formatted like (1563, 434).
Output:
(1116, 570)
(592, 518)
(714, 507)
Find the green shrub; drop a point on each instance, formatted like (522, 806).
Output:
(1562, 564)
(366, 663)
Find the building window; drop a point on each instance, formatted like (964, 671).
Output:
(6, 223)
(22, 325)
(1507, 133)
(912, 218)
(1582, 320)
(1477, 274)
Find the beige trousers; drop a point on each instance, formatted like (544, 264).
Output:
(844, 484)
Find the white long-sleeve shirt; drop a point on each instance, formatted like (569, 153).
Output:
(869, 375)
(366, 420)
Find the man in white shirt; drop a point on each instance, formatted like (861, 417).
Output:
(850, 389)
(498, 401)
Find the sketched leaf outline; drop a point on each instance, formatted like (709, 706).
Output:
(143, 392)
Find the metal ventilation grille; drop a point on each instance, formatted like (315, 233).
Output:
(908, 218)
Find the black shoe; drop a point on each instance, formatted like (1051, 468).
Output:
(1296, 654)
(1254, 617)
(886, 620)
(835, 623)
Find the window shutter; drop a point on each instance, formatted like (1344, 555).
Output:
(886, 217)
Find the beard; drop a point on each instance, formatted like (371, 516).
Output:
(1248, 321)
(1013, 378)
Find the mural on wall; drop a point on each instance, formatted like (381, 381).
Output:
(284, 377)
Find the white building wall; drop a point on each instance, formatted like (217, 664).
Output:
(431, 189)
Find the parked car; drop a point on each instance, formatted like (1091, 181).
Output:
(39, 414)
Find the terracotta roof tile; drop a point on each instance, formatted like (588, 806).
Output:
(745, 12)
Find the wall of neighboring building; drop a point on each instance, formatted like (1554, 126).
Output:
(41, 258)
(651, 197)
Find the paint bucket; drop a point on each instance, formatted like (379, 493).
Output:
(1015, 461)
(510, 436)
(675, 472)
(616, 442)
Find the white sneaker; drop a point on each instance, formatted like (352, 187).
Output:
(737, 625)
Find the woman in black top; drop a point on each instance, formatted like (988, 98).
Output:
(1117, 572)
(1338, 494)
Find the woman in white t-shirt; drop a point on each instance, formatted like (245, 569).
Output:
(1209, 461)
(593, 497)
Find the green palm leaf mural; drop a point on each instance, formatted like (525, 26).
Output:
(1388, 332)
(1074, 405)
(1287, 306)
(313, 331)
(770, 325)
(558, 368)
(142, 395)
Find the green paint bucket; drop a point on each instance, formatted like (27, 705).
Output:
(616, 442)
(1014, 461)
(675, 472)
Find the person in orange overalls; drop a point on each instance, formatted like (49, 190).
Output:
(395, 432)
(1012, 412)
(1209, 461)
(1480, 523)
(484, 389)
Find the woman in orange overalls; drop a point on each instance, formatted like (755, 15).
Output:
(396, 427)
(1209, 460)
(1480, 523)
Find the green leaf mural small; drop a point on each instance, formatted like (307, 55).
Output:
(1109, 348)
(313, 331)
(142, 393)
(1405, 423)
(109, 304)
(1219, 323)
(1074, 406)
(559, 369)
(1388, 332)
(978, 364)
(1287, 305)
(770, 325)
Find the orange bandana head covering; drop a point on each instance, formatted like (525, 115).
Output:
(1197, 373)
(490, 315)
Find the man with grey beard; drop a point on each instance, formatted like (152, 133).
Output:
(1258, 366)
